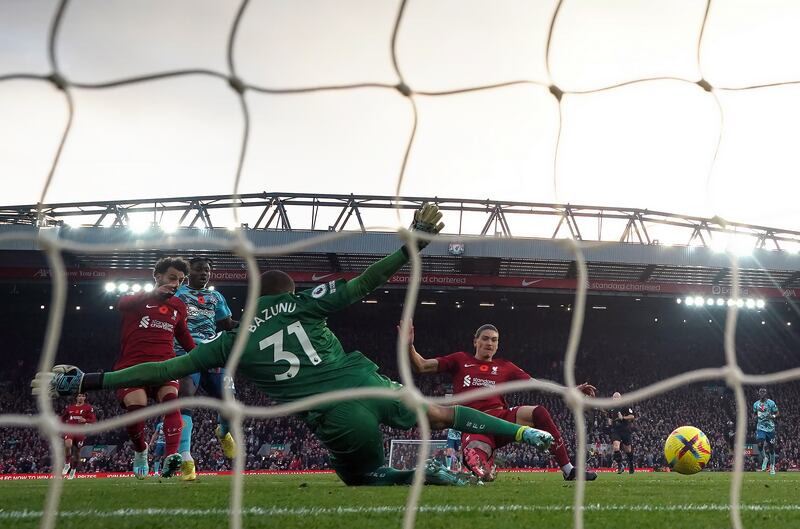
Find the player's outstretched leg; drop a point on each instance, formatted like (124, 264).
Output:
(351, 432)
(469, 420)
(156, 465)
(541, 419)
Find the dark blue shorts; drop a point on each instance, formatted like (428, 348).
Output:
(211, 382)
(761, 435)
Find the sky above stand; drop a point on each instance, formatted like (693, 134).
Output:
(645, 145)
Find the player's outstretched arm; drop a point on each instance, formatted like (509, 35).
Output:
(418, 363)
(427, 220)
(161, 293)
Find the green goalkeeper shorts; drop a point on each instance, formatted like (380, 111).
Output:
(350, 430)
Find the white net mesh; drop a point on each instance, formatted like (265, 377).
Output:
(245, 92)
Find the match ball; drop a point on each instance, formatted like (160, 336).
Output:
(687, 450)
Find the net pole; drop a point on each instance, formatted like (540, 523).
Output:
(734, 381)
(572, 396)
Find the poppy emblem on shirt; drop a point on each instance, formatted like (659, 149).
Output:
(484, 368)
(163, 309)
(201, 299)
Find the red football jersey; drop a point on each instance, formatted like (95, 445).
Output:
(73, 413)
(150, 326)
(470, 374)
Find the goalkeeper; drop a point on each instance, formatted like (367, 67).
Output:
(291, 354)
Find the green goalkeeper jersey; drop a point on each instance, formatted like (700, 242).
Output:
(291, 353)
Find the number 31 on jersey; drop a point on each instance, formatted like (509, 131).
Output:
(276, 341)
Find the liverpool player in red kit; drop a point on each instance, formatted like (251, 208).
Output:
(79, 413)
(151, 322)
(471, 372)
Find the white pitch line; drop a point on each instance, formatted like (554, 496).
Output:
(393, 509)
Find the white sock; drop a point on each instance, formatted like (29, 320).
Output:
(566, 469)
(187, 456)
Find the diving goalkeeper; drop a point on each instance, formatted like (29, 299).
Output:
(291, 354)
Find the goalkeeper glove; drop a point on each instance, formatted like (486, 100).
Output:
(63, 381)
(427, 219)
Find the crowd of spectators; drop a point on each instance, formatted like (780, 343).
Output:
(619, 351)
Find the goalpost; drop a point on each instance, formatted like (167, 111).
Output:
(404, 453)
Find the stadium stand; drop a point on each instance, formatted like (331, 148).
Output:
(644, 351)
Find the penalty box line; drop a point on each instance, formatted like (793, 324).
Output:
(397, 509)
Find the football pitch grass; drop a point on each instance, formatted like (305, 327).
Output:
(522, 500)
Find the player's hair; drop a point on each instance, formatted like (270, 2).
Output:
(486, 327)
(276, 282)
(171, 262)
(194, 260)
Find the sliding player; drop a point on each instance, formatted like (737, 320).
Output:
(471, 372)
(151, 322)
(207, 311)
(291, 354)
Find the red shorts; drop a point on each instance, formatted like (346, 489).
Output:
(77, 440)
(494, 441)
(150, 391)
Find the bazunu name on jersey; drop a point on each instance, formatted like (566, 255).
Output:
(269, 312)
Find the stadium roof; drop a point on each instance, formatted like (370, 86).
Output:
(628, 260)
(686, 109)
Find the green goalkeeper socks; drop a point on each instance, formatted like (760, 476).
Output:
(473, 421)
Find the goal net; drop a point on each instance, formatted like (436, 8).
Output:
(404, 453)
(554, 104)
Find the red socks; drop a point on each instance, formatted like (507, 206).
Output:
(543, 421)
(136, 430)
(173, 424)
